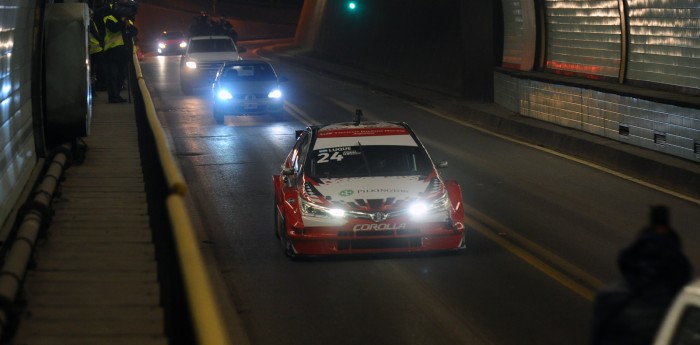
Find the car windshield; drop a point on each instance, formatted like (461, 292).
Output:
(173, 35)
(253, 72)
(212, 45)
(365, 161)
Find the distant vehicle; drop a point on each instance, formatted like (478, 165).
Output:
(172, 42)
(365, 187)
(681, 325)
(203, 58)
(246, 87)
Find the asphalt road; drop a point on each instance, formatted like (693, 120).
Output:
(544, 230)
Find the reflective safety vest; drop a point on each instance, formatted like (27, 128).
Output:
(93, 42)
(112, 39)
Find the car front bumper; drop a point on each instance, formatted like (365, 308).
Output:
(344, 240)
(249, 106)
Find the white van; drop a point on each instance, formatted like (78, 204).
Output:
(681, 326)
(203, 58)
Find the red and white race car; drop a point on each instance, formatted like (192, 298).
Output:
(365, 187)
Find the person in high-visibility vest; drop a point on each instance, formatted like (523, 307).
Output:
(115, 57)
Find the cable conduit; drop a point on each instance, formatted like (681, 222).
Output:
(18, 257)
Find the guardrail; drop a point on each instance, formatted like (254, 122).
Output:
(206, 316)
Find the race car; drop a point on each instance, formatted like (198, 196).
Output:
(365, 187)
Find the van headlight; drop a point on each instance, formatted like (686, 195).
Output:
(191, 64)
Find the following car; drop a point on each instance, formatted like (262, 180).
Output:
(172, 42)
(246, 87)
(365, 187)
(682, 322)
(203, 58)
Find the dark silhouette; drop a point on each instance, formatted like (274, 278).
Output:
(201, 25)
(654, 270)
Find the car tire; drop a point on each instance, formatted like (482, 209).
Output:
(186, 89)
(218, 115)
(279, 115)
(278, 221)
(289, 249)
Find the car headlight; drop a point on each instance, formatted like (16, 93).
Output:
(161, 45)
(183, 45)
(191, 64)
(418, 208)
(422, 207)
(224, 94)
(275, 94)
(311, 209)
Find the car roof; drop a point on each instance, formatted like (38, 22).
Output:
(219, 37)
(372, 132)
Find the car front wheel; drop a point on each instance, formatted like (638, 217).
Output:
(218, 115)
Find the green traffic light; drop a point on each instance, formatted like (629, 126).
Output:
(352, 6)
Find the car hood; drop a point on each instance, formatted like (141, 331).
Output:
(360, 192)
(213, 56)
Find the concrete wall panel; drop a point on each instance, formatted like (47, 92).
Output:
(603, 113)
(17, 151)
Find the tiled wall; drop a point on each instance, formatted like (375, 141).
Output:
(17, 151)
(583, 37)
(662, 127)
(664, 42)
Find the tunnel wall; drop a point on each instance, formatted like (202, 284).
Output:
(445, 45)
(18, 156)
(628, 71)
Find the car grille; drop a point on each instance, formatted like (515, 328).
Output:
(245, 96)
(379, 239)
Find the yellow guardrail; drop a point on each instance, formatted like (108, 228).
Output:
(176, 182)
(206, 315)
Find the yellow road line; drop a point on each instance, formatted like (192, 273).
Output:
(499, 228)
(298, 114)
(571, 284)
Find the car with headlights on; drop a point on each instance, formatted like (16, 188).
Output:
(246, 87)
(172, 43)
(365, 187)
(203, 58)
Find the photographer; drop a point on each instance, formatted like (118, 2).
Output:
(119, 34)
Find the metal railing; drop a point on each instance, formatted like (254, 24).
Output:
(206, 315)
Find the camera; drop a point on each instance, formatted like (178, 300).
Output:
(125, 9)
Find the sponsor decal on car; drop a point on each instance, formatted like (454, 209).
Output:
(380, 226)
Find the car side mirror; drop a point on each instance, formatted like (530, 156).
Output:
(242, 49)
(287, 174)
(441, 165)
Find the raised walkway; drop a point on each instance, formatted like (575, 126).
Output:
(95, 280)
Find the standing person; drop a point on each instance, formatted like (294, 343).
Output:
(227, 29)
(654, 270)
(115, 56)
